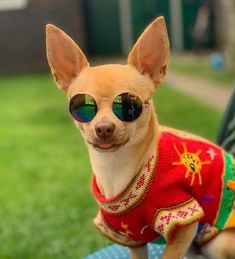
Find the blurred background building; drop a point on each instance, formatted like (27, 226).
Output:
(104, 27)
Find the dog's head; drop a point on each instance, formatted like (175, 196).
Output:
(110, 103)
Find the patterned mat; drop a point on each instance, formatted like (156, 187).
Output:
(120, 252)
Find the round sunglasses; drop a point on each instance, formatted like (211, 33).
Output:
(126, 106)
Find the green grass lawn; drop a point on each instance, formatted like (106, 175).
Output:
(201, 68)
(46, 204)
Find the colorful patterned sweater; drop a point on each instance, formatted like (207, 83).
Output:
(188, 179)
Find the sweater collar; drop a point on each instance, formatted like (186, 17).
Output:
(133, 194)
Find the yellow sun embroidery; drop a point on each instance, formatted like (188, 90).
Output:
(192, 162)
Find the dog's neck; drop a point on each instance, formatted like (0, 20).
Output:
(115, 170)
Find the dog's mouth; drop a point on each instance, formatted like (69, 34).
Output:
(107, 146)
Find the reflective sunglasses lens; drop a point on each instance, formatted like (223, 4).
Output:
(83, 107)
(127, 107)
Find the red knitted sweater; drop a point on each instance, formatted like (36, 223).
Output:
(185, 181)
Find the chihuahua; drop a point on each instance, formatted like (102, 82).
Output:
(151, 182)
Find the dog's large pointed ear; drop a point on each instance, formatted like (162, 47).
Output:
(151, 52)
(65, 58)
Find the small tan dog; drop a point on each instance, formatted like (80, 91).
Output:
(111, 105)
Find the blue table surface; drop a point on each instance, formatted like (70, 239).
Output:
(116, 251)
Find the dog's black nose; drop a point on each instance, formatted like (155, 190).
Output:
(104, 129)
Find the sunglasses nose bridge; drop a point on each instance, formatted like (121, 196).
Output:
(104, 111)
(103, 102)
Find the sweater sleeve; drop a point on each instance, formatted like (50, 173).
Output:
(167, 220)
(114, 235)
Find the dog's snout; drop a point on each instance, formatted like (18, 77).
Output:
(104, 129)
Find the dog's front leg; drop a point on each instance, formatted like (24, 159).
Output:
(181, 242)
(139, 253)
